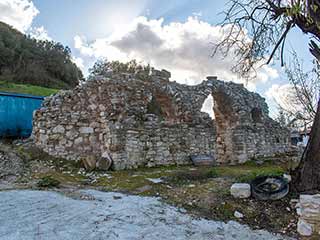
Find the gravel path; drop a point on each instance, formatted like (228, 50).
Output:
(43, 215)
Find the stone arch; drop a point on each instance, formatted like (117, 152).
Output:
(224, 119)
(243, 128)
(116, 116)
(161, 104)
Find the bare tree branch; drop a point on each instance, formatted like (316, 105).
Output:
(257, 30)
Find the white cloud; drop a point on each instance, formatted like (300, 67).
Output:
(266, 72)
(279, 93)
(39, 33)
(18, 13)
(114, 14)
(284, 96)
(182, 48)
(197, 14)
(79, 62)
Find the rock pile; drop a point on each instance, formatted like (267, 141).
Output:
(11, 165)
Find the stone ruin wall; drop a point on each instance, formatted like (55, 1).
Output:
(161, 145)
(154, 122)
(244, 128)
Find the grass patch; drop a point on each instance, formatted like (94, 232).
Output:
(122, 182)
(26, 89)
(201, 174)
(52, 176)
(59, 164)
(48, 182)
(261, 172)
(225, 211)
(131, 180)
(247, 172)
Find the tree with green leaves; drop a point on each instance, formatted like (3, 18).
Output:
(102, 67)
(256, 33)
(30, 61)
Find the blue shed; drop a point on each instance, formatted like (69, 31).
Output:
(16, 112)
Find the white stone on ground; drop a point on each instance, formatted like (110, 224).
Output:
(304, 228)
(308, 210)
(287, 177)
(240, 190)
(49, 215)
(238, 214)
(155, 180)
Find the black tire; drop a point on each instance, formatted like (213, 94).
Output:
(269, 187)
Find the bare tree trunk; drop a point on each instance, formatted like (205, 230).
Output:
(306, 177)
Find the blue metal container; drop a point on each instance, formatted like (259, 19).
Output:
(16, 112)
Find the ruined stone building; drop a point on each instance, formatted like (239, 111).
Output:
(151, 121)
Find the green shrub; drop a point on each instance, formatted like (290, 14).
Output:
(48, 182)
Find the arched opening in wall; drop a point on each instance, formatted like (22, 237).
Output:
(256, 115)
(207, 106)
(161, 105)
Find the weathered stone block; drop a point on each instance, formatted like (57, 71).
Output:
(78, 141)
(43, 138)
(89, 162)
(104, 163)
(240, 190)
(203, 160)
(309, 214)
(86, 130)
(58, 129)
(72, 134)
(304, 228)
(165, 73)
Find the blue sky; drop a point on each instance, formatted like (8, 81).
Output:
(63, 19)
(87, 17)
(126, 29)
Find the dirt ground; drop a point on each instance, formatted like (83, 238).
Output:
(202, 191)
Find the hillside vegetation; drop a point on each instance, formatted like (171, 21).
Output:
(26, 60)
